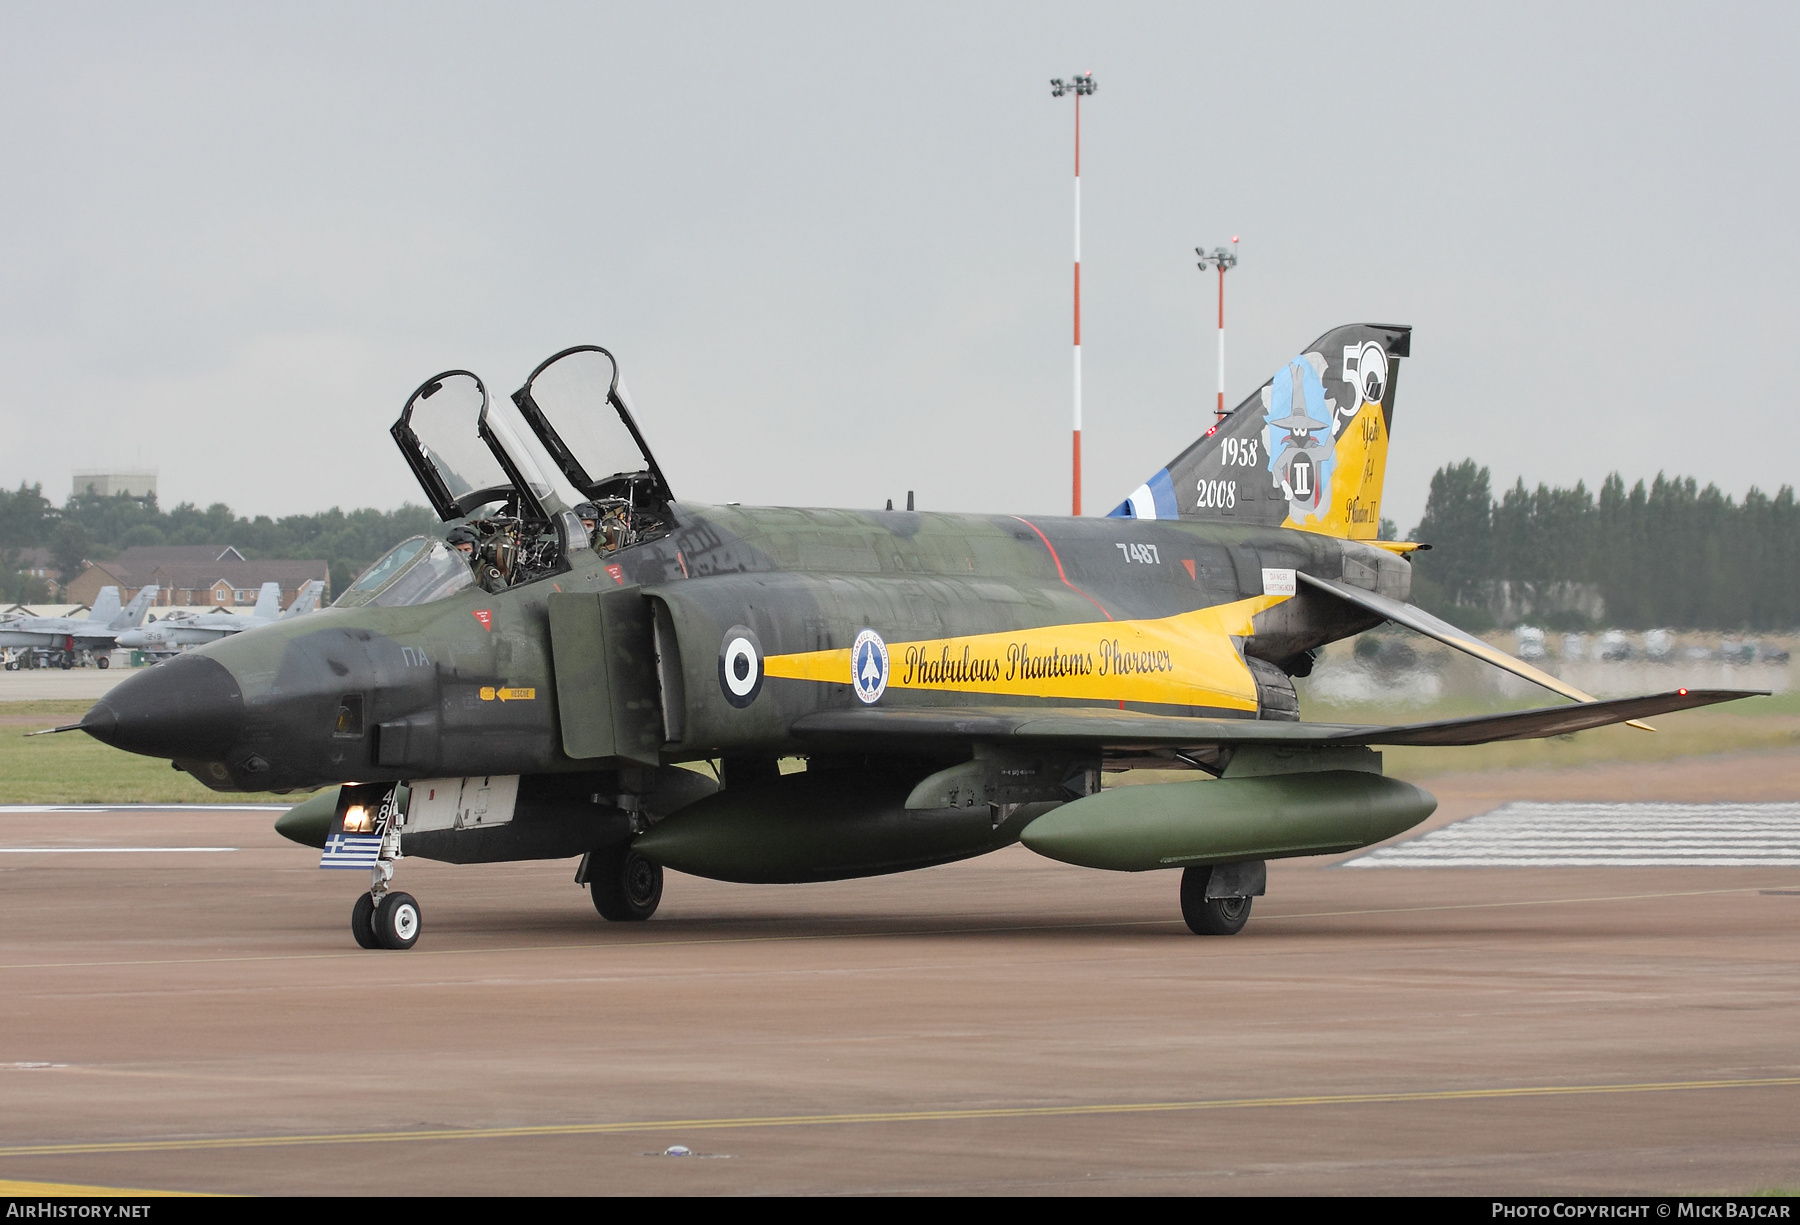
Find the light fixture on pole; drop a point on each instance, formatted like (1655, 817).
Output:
(1220, 259)
(1079, 85)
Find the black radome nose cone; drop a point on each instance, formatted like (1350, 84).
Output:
(100, 722)
(189, 708)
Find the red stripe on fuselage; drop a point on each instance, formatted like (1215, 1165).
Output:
(1059, 568)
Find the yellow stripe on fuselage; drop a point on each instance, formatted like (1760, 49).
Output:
(1184, 660)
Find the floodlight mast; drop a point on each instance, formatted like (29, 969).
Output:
(1080, 85)
(1220, 259)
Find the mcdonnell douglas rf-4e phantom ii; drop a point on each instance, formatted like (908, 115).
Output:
(953, 683)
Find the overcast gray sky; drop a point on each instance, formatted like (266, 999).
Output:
(830, 243)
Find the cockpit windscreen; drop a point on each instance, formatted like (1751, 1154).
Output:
(415, 571)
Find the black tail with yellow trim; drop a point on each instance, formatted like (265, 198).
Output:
(1307, 450)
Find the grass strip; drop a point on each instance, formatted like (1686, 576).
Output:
(74, 768)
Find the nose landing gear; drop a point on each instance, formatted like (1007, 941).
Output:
(392, 922)
(368, 836)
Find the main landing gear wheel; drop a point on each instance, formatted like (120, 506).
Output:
(102, 662)
(362, 922)
(626, 886)
(397, 921)
(1219, 916)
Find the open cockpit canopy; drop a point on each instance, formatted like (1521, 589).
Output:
(514, 471)
(566, 437)
(577, 407)
(438, 433)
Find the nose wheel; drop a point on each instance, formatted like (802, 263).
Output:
(362, 922)
(390, 922)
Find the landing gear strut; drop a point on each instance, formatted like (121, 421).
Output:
(383, 918)
(626, 886)
(1215, 900)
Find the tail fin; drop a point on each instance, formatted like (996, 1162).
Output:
(307, 600)
(106, 606)
(1308, 450)
(268, 602)
(133, 615)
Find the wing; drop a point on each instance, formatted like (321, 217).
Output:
(1127, 731)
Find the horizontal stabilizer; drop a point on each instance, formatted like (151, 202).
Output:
(1420, 621)
(1104, 728)
(1555, 720)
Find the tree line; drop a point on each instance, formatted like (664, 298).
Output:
(1669, 553)
(92, 527)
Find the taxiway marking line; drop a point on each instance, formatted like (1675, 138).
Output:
(110, 850)
(134, 809)
(886, 1116)
(62, 1190)
(653, 943)
(1547, 901)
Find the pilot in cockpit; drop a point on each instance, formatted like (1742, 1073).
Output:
(607, 522)
(467, 541)
(589, 514)
(463, 539)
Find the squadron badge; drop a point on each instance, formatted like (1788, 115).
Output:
(1301, 425)
(869, 667)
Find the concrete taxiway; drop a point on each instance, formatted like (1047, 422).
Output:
(198, 1019)
(58, 685)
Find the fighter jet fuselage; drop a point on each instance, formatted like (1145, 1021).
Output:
(973, 611)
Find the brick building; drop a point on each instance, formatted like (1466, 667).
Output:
(209, 575)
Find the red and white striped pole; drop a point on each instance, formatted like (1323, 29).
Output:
(1223, 259)
(1221, 408)
(1076, 500)
(1078, 85)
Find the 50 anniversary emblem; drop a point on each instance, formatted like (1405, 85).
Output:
(740, 665)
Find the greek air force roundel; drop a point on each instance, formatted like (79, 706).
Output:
(740, 665)
(869, 667)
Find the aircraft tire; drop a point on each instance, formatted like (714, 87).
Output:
(397, 921)
(67, 663)
(1219, 916)
(627, 887)
(102, 662)
(362, 922)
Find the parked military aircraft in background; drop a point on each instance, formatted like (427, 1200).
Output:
(169, 635)
(68, 640)
(954, 683)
